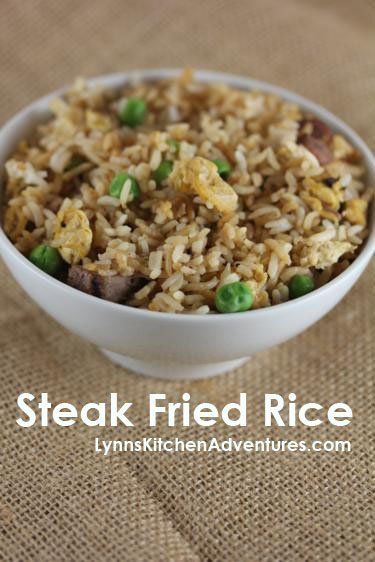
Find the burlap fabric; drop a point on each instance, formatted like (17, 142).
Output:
(61, 502)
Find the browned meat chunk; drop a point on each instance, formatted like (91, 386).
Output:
(317, 129)
(316, 136)
(115, 289)
(318, 148)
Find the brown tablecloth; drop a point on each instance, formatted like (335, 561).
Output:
(59, 500)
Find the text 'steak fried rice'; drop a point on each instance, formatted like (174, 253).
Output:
(294, 201)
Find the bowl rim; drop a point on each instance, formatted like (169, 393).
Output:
(116, 80)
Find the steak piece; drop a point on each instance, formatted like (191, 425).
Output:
(115, 288)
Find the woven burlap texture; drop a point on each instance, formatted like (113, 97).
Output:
(61, 502)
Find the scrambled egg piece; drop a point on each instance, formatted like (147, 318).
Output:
(72, 235)
(313, 202)
(341, 148)
(325, 194)
(200, 176)
(325, 200)
(96, 120)
(324, 254)
(355, 211)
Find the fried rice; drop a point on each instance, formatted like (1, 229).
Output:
(295, 201)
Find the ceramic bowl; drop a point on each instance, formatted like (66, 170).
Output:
(168, 345)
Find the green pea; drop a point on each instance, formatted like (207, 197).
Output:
(223, 167)
(234, 297)
(118, 182)
(162, 172)
(132, 111)
(300, 285)
(174, 145)
(47, 259)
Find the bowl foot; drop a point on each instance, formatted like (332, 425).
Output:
(173, 371)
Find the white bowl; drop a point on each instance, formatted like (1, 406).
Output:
(168, 345)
